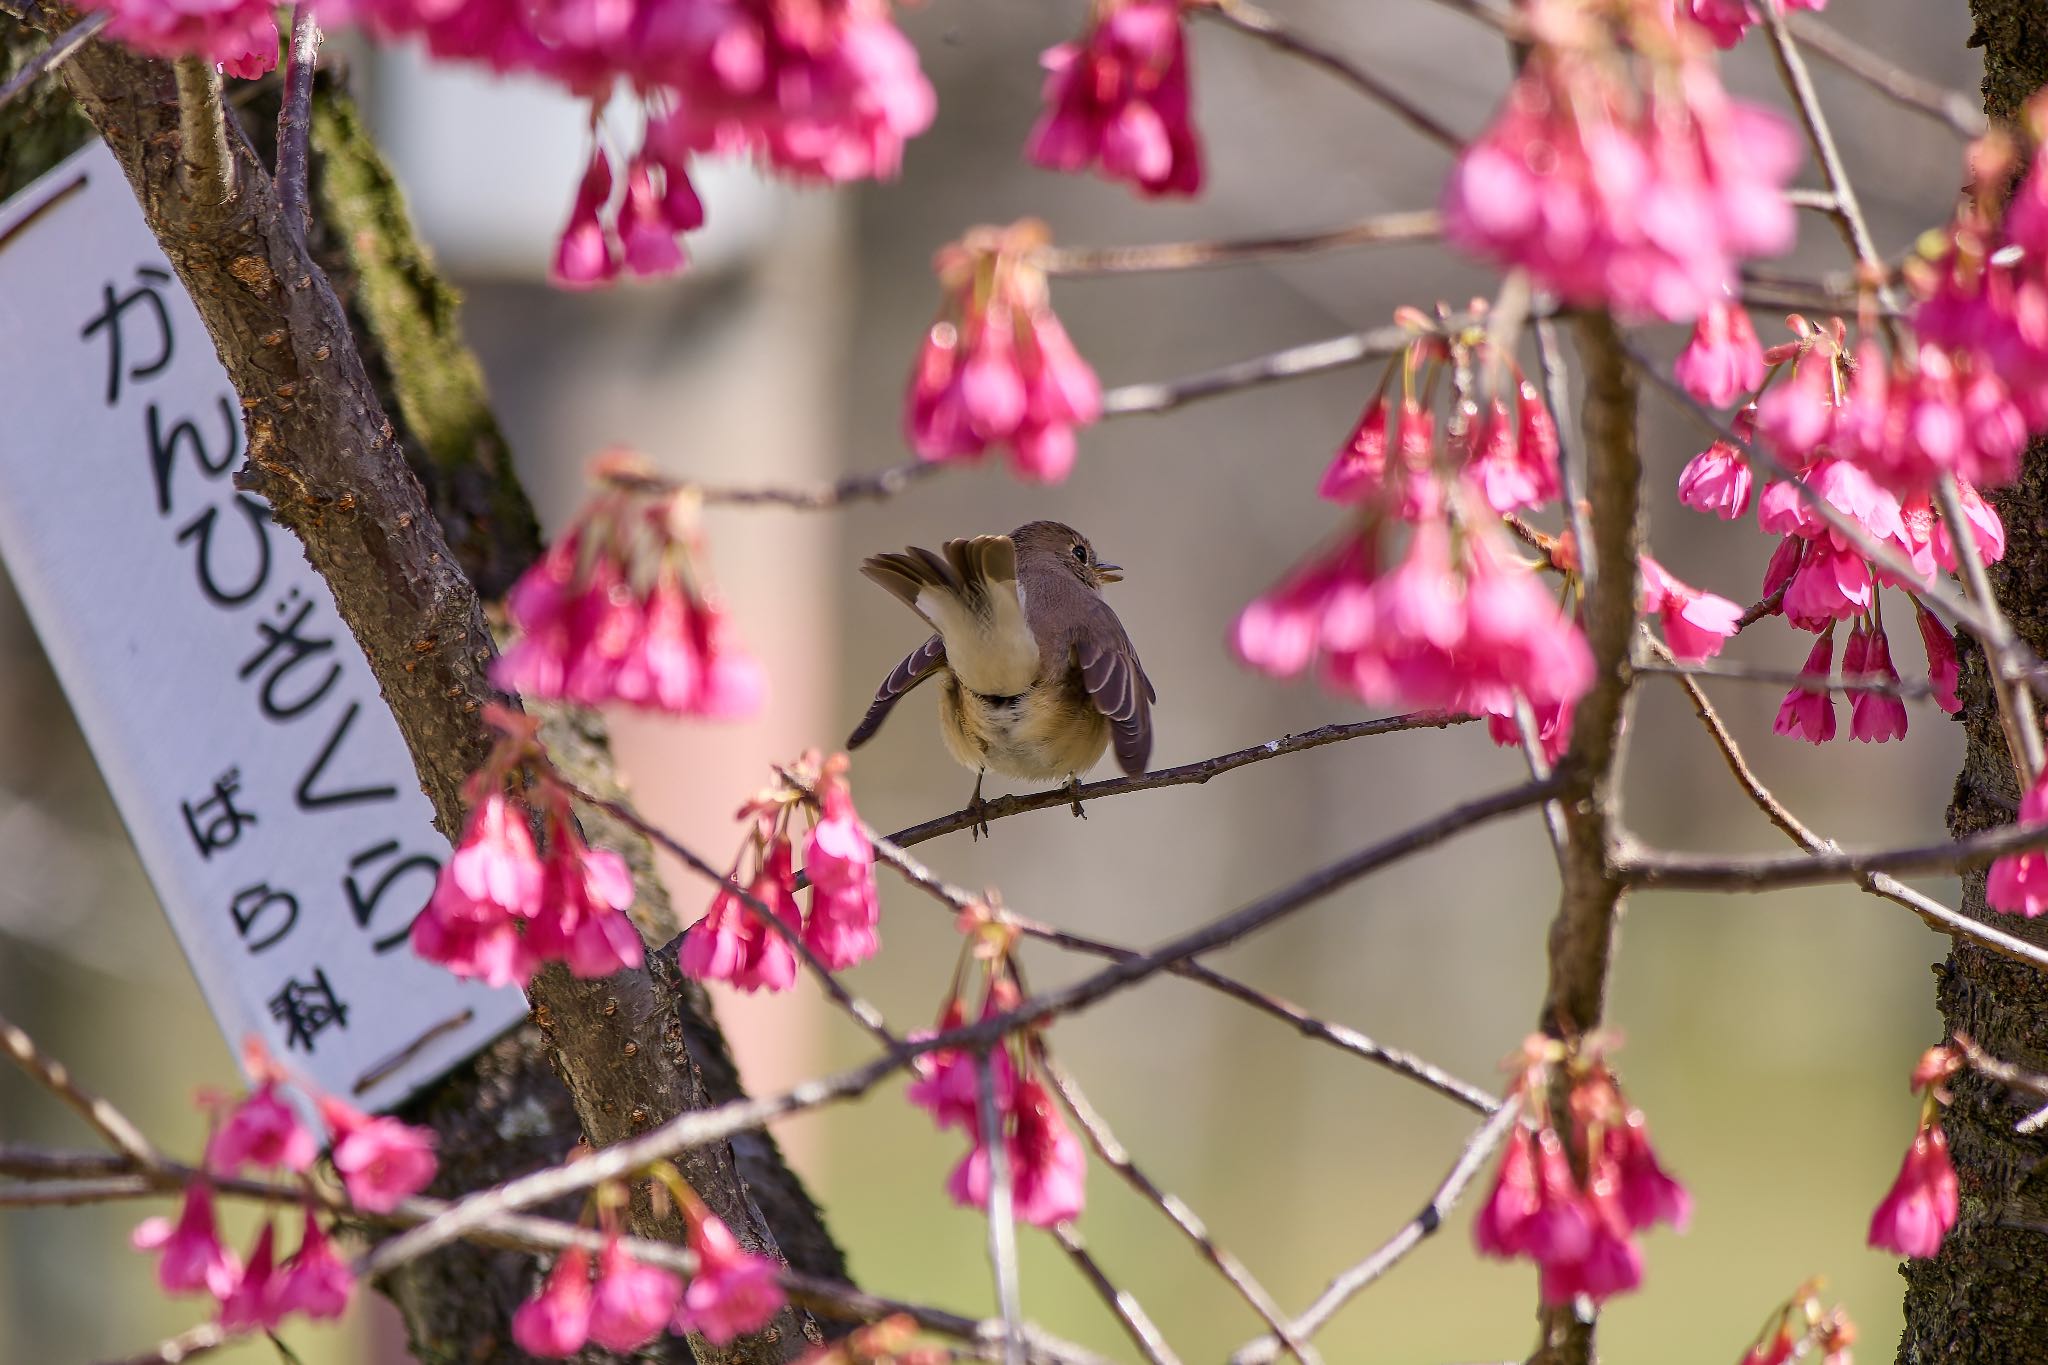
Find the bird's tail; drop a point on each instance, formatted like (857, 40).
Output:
(974, 573)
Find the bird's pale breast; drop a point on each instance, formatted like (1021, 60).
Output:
(1047, 733)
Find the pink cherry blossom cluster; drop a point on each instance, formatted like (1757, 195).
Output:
(1461, 622)
(816, 89)
(621, 609)
(996, 367)
(1803, 409)
(1801, 1329)
(1982, 292)
(735, 944)
(640, 233)
(1047, 1166)
(2018, 883)
(1619, 173)
(1575, 1188)
(1118, 98)
(500, 909)
(239, 36)
(1922, 1204)
(380, 1162)
(735, 1291)
(1727, 20)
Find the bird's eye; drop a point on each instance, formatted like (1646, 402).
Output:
(1081, 553)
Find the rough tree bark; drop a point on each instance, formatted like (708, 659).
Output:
(1982, 1299)
(634, 1049)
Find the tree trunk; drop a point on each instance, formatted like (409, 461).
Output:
(634, 1049)
(1982, 1299)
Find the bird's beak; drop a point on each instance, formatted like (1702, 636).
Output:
(1110, 573)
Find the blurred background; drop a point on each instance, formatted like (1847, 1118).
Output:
(1768, 1039)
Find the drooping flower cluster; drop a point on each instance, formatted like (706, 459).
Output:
(1461, 621)
(380, 1162)
(1575, 1188)
(816, 89)
(630, 1303)
(1807, 416)
(1922, 1204)
(1619, 173)
(620, 609)
(1801, 1329)
(501, 908)
(733, 943)
(1118, 98)
(239, 36)
(1047, 1167)
(996, 367)
(1727, 20)
(1982, 291)
(2018, 883)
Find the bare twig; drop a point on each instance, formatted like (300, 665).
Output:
(1952, 107)
(1311, 358)
(121, 1134)
(295, 118)
(187, 1345)
(1771, 872)
(1570, 454)
(1114, 1156)
(875, 486)
(203, 133)
(1250, 19)
(1340, 1290)
(51, 57)
(1785, 677)
(1002, 1223)
(699, 1128)
(1144, 1333)
(1422, 225)
(1187, 774)
(2015, 704)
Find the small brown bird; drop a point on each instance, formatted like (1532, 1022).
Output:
(1036, 673)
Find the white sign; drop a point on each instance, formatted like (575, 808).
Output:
(263, 780)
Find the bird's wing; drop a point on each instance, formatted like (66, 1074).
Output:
(927, 659)
(969, 595)
(1117, 684)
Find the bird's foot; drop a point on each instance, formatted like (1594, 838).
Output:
(1074, 798)
(977, 811)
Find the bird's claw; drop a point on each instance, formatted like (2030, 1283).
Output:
(977, 819)
(1074, 799)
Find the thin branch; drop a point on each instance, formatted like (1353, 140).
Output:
(195, 1341)
(1312, 358)
(295, 119)
(875, 486)
(109, 1122)
(51, 57)
(1785, 677)
(97, 1177)
(207, 167)
(1848, 212)
(1345, 1039)
(1768, 872)
(1144, 1333)
(1421, 225)
(1187, 774)
(1570, 453)
(1952, 107)
(1118, 1159)
(2015, 704)
(1002, 1221)
(1250, 19)
(702, 1127)
(1412, 1234)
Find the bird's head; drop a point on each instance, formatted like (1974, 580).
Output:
(1053, 542)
